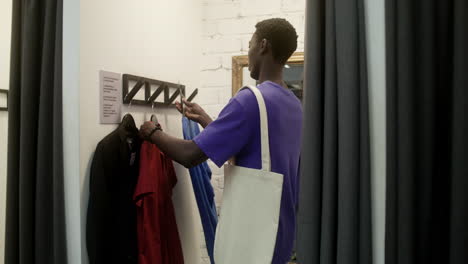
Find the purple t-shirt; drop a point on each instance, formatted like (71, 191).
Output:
(236, 132)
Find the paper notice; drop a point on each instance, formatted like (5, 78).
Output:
(111, 97)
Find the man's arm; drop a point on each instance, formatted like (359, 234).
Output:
(185, 152)
(231, 131)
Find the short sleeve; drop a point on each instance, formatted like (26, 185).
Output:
(226, 136)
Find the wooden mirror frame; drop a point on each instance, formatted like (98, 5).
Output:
(239, 62)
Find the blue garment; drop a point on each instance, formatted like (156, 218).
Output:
(204, 194)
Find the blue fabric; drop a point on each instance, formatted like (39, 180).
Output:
(204, 194)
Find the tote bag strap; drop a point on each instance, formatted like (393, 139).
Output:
(264, 137)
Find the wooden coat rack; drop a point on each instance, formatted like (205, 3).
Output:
(150, 98)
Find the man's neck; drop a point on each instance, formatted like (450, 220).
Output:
(271, 71)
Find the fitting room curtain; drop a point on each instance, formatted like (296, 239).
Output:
(35, 218)
(334, 221)
(427, 132)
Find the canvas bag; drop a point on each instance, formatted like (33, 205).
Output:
(250, 210)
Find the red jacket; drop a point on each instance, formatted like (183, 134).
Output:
(158, 238)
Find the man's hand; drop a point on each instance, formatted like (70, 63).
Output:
(185, 152)
(146, 129)
(195, 113)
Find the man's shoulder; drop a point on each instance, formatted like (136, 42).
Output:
(244, 94)
(245, 98)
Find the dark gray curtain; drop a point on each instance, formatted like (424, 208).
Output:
(35, 219)
(427, 132)
(334, 222)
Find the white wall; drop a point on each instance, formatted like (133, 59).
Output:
(375, 26)
(227, 29)
(5, 36)
(156, 39)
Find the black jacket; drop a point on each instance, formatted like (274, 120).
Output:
(111, 235)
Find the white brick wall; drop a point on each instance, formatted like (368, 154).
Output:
(215, 77)
(221, 10)
(293, 5)
(219, 44)
(227, 28)
(259, 7)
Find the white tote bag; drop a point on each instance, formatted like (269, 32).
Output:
(249, 215)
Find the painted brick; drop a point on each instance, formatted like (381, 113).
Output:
(221, 44)
(245, 43)
(301, 38)
(204, 252)
(297, 20)
(267, 16)
(293, 5)
(213, 110)
(225, 95)
(215, 78)
(220, 182)
(300, 46)
(218, 197)
(211, 62)
(205, 260)
(259, 7)
(226, 61)
(241, 25)
(208, 96)
(211, 164)
(214, 168)
(219, 1)
(210, 28)
(221, 10)
(215, 182)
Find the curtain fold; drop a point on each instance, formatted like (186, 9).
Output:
(35, 217)
(334, 219)
(459, 165)
(427, 142)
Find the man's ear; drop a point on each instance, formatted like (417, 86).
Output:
(263, 46)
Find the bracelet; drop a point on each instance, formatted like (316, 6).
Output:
(156, 128)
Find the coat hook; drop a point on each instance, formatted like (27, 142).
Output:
(190, 98)
(182, 96)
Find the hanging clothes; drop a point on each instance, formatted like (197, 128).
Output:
(111, 235)
(204, 194)
(158, 237)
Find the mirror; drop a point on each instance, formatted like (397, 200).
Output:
(293, 73)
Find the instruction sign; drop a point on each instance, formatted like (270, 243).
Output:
(111, 97)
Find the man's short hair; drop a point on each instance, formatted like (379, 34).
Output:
(281, 35)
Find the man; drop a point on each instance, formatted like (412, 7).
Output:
(236, 132)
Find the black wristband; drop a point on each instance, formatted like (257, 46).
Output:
(156, 128)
